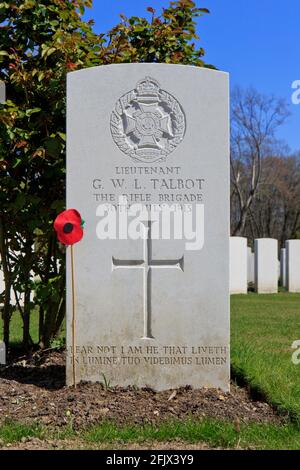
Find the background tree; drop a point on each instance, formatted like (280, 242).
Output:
(168, 37)
(40, 41)
(254, 120)
(275, 210)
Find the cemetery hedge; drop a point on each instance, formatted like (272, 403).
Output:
(40, 41)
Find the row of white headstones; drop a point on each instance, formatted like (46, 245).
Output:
(260, 269)
(263, 269)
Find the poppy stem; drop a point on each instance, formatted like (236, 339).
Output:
(73, 316)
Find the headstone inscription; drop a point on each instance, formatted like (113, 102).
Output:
(147, 167)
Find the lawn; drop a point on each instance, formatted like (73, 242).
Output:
(215, 434)
(263, 328)
(16, 329)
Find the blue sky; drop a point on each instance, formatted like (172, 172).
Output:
(257, 41)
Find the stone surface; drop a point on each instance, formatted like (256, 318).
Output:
(2, 353)
(283, 267)
(250, 265)
(238, 265)
(2, 285)
(266, 265)
(151, 311)
(2, 92)
(293, 265)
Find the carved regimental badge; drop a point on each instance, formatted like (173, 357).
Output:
(147, 123)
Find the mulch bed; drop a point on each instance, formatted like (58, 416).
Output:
(32, 390)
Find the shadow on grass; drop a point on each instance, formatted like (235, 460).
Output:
(256, 393)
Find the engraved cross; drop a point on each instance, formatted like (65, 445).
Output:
(148, 264)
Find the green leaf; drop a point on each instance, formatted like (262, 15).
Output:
(62, 135)
(53, 147)
(29, 112)
(50, 51)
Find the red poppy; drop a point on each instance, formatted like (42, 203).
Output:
(71, 66)
(68, 225)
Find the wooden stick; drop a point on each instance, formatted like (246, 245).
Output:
(73, 316)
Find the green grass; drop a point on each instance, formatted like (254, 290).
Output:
(16, 329)
(14, 432)
(263, 329)
(214, 433)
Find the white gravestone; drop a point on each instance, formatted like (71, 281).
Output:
(2, 284)
(2, 92)
(283, 267)
(238, 265)
(152, 306)
(13, 299)
(2, 353)
(250, 265)
(266, 266)
(293, 265)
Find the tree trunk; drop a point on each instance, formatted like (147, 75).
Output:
(7, 309)
(41, 323)
(239, 229)
(27, 341)
(26, 320)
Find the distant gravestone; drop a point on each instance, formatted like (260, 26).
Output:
(250, 265)
(146, 144)
(2, 353)
(2, 92)
(266, 266)
(283, 267)
(2, 285)
(13, 298)
(293, 265)
(238, 265)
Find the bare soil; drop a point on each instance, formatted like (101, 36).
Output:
(32, 389)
